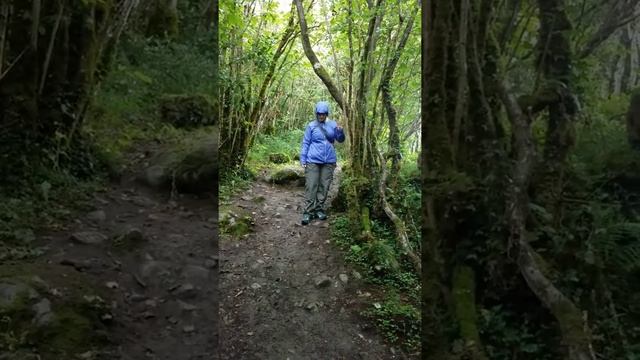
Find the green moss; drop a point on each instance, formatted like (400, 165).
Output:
(286, 174)
(465, 308)
(398, 320)
(235, 222)
(75, 327)
(15, 320)
(259, 199)
(57, 276)
(279, 158)
(71, 332)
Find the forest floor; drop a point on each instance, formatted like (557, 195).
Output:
(286, 291)
(153, 258)
(282, 291)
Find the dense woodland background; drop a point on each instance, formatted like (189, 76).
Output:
(531, 243)
(530, 182)
(99, 84)
(93, 94)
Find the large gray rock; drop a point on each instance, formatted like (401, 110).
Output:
(323, 281)
(88, 238)
(191, 166)
(195, 273)
(43, 313)
(98, 216)
(288, 175)
(186, 291)
(154, 270)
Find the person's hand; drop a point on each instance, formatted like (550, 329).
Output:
(303, 165)
(338, 127)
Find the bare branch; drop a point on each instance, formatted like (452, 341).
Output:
(370, 43)
(54, 33)
(13, 63)
(315, 62)
(401, 229)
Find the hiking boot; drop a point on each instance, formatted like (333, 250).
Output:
(321, 215)
(306, 218)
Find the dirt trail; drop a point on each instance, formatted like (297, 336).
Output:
(163, 275)
(272, 306)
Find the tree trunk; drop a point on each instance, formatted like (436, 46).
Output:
(47, 87)
(387, 99)
(437, 160)
(554, 60)
(574, 328)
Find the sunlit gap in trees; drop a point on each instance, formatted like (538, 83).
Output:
(282, 8)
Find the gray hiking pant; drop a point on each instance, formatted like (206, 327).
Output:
(318, 178)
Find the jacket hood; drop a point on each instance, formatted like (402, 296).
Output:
(322, 107)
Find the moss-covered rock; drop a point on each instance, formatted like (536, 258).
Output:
(287, 175)
(190, 166)
(55, 318)
(279, 158)
(129, 241)
(187, 111)
(235, 222)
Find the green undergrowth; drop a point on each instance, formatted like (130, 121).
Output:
(592, 250)
(233, 182)
(122, 122)
(381, 263)
(259, 158)
(43, 201)
(288, 144)
(397, 316)
(147, 72)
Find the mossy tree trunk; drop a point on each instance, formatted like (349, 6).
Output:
(54, 54)
(576, 337)
(387, 100)
(466, 161)
(459, 139)
(554, 95)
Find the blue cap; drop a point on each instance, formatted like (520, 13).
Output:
(322, 107)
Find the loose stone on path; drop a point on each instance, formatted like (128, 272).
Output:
(88, 238)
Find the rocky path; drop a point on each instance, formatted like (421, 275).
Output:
(286, 293)
(156, 260)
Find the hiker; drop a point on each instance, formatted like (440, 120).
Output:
(318, 157)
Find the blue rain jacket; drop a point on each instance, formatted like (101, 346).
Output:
(316, 148)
